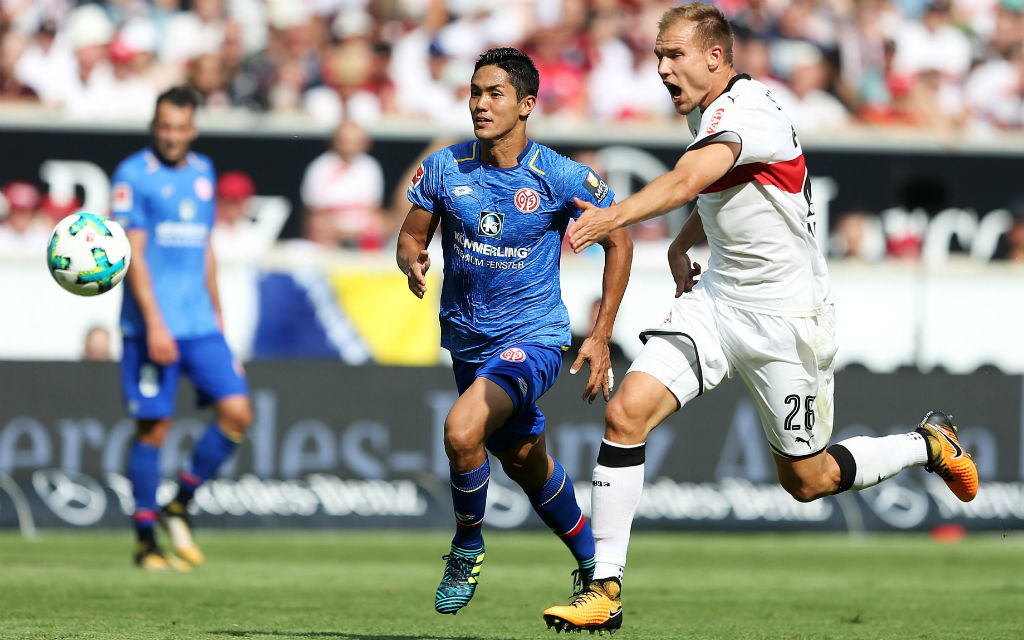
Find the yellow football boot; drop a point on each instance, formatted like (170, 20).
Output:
(946, 458)
(174, 520)
(152, 558)
(596, 608)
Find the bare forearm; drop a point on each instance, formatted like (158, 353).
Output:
(691, 233)
(141, 284)
(618, 258)
(665, 193)
(408, 248)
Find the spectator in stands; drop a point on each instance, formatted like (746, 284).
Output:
(12, 45)
(22, 231)
(97, 345)
(1011, 244)
(206, 77)
(47, 66)
(243, 234)
(813, 108)
(857, 236)
(936, 54)
(53, 210)
(994, 91)
(348, 184)
(243, 231)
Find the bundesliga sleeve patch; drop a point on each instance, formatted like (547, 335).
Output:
(596, 186)
(416, 177)
(122, 197)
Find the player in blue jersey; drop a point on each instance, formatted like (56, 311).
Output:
(163, 195)
(503, 203)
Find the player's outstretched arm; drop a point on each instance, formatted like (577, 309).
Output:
(411, 255)
(162, 347)
(696, 170)
(618, 257)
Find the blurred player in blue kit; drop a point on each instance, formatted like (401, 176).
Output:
(503, 203)
(163, 195)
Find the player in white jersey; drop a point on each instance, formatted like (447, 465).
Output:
(762, 310)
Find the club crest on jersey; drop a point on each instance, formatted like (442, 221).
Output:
(416, 177)
(187, 209)
(595, 186)
(203, 188)
(490, 224)
(513, 354)
(716, 118)
(526, 200)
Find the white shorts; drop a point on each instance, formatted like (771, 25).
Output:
(786, 362)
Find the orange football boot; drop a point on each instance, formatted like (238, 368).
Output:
(946, 458)
(596, 608)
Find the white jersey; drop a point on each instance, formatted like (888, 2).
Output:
(758, 218)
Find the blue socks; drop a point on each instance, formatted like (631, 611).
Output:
(210, 451)
(557, 507)
(144, 473)
(469, 499)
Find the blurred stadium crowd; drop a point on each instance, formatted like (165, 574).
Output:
(938, 67)
(912, 63)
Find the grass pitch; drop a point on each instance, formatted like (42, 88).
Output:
(380, 585)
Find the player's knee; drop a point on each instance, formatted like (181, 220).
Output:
(803, 490)
(236, 416)
(461, 441)
(152, 432)
(621, 424)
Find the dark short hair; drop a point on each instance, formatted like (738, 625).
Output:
(180, 96)
(522, 73)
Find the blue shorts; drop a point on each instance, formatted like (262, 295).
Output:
(150, 389)
(525, 372)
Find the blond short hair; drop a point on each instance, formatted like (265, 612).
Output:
(711, 26)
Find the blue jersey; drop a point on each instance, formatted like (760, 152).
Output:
(501, 231)
(175, 207)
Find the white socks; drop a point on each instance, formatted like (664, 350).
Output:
(618, 483)
(878, 459)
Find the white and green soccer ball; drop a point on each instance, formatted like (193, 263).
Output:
(88, 254)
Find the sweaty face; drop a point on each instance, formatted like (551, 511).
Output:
(683, 66)
(493, 103)
(173, 131)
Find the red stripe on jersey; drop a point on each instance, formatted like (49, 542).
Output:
(787, 176)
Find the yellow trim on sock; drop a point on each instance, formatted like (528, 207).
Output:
(488, 479)
(556, 493)
(234, 436)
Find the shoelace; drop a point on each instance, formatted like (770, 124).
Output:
(582, 596)
(459, 570)
(577, 581)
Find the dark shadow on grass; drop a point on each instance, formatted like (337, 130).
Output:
(339, 635)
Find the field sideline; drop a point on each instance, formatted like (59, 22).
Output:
(344, 585)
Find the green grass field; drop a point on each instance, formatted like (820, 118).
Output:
(380, 585)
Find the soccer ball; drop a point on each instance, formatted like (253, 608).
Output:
(88, 254)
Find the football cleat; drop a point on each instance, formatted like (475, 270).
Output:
(582, 576)
(174, 520)
(458, 584)
(596, 608)
(946, 458)
(152, 558)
